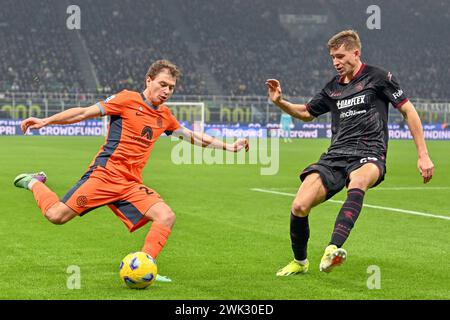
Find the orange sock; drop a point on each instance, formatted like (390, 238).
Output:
(45, 197)
(156, 239)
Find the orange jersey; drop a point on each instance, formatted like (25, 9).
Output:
(135, 125)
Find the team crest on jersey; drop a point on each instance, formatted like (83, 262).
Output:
(359, 86)
(82, 201)
(159, 123)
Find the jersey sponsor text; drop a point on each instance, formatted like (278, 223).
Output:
(341, 104)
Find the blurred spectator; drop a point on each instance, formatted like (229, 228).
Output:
(242, 43)
(35, 52)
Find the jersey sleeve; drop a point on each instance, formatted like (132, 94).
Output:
(114, 104)
(172, 125)
(392, 92)
(318, 104)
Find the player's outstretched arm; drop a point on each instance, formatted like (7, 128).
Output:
(424, 163)
(298, 111)
(72, 115)
(206, 141)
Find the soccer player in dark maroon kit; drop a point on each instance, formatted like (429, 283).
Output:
(358, 99)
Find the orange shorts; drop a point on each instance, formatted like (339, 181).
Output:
(129, 200)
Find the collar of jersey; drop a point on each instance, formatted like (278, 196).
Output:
(148, 103)
(357, 75)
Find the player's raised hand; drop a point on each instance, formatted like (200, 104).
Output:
(426, 168)
(274, 90)
(240, 144)
(31, 123)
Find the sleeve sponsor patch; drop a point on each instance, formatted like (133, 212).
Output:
(109, 98)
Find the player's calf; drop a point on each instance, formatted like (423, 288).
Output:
(163, 220)
(346, 219)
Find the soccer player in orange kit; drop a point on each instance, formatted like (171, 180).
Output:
(114, 177)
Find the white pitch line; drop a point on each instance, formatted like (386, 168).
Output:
(417, 213)
(412, 188)
(385, 188)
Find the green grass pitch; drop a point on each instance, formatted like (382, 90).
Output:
(228, 240)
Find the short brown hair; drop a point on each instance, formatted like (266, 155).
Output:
(348, 38)
(159, 66)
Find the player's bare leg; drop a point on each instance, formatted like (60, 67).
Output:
(361, 180)
(54, 210)
(311, 193)
(60, 213)
(161, 213)
(364, 177)
(163, 220)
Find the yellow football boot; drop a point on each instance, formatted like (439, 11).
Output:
(332, 257)
(292, 268)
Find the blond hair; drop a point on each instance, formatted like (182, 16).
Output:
(348, 38)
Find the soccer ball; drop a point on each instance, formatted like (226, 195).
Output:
(138, 270)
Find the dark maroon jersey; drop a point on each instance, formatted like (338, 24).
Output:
(359, 112)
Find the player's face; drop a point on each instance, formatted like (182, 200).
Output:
(161, 88)
(345, 61)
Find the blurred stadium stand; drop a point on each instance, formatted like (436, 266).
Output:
(224, 48)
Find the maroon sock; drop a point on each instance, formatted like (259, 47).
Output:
(347, 216)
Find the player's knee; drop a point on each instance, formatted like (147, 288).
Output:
(359, 183)
(54, 216)
(161, 213)
(171, 217)
(167, 218)
(300, 209)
